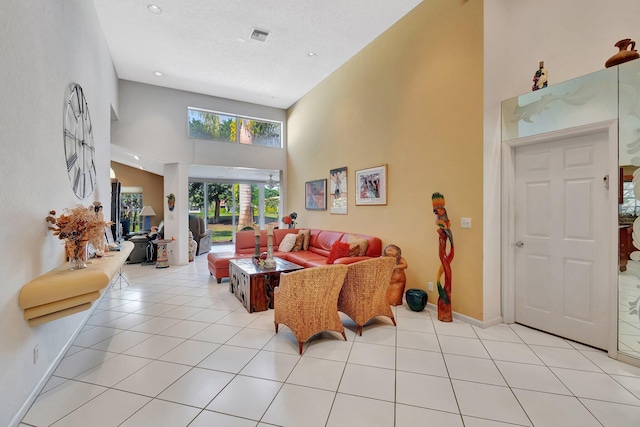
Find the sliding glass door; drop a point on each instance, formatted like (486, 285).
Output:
(229, 207)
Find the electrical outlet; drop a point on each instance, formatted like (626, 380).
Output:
(36, 354)
(465, 222)
(430, 286)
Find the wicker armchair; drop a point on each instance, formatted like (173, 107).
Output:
(307, 301)
(364, 293)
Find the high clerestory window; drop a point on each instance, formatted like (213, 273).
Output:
(216, 126)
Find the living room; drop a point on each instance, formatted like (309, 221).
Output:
(424, 98)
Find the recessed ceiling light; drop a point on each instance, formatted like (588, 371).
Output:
(157, 74)
(311, 54)
(141, 168)
(154, 9)
(136, 157)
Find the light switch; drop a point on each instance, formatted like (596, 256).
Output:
(465, 222)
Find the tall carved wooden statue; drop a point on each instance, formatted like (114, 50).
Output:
(444, 233)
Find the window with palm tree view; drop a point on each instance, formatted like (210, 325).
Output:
(215, 126)
(228, 208)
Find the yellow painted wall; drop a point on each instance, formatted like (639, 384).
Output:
(152, 187)
(411, 99)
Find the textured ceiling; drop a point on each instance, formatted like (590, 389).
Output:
(204, 46)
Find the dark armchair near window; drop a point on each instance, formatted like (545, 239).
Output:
(201, 234)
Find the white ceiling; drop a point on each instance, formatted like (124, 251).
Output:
(204, 46)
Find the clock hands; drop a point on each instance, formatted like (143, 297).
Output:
(81, 141)
(67, 133)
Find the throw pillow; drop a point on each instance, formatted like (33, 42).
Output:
(299, 242)
(357, 246)
(338, 250)
(307, 238)
(287, 243)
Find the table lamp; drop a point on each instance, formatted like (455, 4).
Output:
(146, 213)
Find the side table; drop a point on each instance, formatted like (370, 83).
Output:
(254, 285)
(163, 255)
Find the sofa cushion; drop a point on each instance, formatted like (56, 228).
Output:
(338, 250)
(288, 242)
(357, 246)
(298, 243)
(280, 233)
(306, 258)
(221, 259)
(246, 242)
(323, 239)
(307, 238)
(374, 249)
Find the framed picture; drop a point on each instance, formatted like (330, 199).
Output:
(371, 186)
(108, 234)
(315, 195)
(338, 187)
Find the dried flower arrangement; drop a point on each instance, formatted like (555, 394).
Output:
(77, 226)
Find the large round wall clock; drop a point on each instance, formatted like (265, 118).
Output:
(79, 149)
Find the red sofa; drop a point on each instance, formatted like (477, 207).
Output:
(320, 242)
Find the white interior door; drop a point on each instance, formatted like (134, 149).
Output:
(561, 230)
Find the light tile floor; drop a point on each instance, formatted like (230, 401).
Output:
(175, 349)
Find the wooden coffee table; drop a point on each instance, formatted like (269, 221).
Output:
(254, 285)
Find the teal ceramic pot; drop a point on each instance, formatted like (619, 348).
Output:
(416, 299)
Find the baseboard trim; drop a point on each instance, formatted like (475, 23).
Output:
(627, 359)
(17, 419)
(475, 322)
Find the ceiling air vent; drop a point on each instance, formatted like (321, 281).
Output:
(260, 35)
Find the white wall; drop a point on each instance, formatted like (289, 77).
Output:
(175, 225)
(573, 38)
(153, 121)
(44, 47)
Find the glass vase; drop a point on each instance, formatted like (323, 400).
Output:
(79, 257)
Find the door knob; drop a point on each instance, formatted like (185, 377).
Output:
(519, 244)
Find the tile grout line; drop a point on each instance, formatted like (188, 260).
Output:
(185, 288)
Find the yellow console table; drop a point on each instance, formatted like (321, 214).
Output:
(61, 291)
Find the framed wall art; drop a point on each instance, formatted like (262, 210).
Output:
(315, 195)
(338, 188)
(371, 186)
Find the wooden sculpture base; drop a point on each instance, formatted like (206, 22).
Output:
(444, 311)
